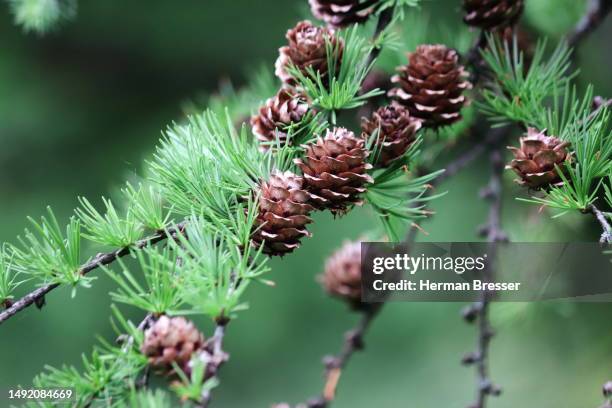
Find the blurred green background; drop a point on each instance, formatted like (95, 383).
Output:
(81, 108)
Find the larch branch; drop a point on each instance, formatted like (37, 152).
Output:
(606, 235)
(479, 311)
(596, 13)
(38, 296)
(353, 342)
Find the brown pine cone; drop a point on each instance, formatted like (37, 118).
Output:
(396, 132)
(307, 48)
(431, 85)
(171, 340)
(342, 13)
(342, 275)
(280, 111)
(335, 169)
(534, 161)
(492, 15)
(284, 207)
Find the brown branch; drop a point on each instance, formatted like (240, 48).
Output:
(599, 104)
(216, 358)
(493, 138)
(492, 230)
(606, 235)
(354, 338)
(494, 233)
(127, 341)
(473, 58)
(38, 296)
(595, 15)
(479, 311)
(353, 342)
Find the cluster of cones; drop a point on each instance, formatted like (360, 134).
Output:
(427, 92)
(540, 159)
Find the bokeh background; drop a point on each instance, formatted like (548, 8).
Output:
(82, 107)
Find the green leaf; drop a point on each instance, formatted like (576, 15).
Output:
(543, 98)
(108, 375)
(343, 89)
(41, 15)
(297, 134)
(397, 197)
(205, 166)
(109, 229)
(519, 95)
(148, 399)
(103, 378)
(215, 269)
(193, 387)
(608, 189)
(8, 275)
(161, 290)
(146, 203)
(398, 5)
(48, 254)
(576, 192)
